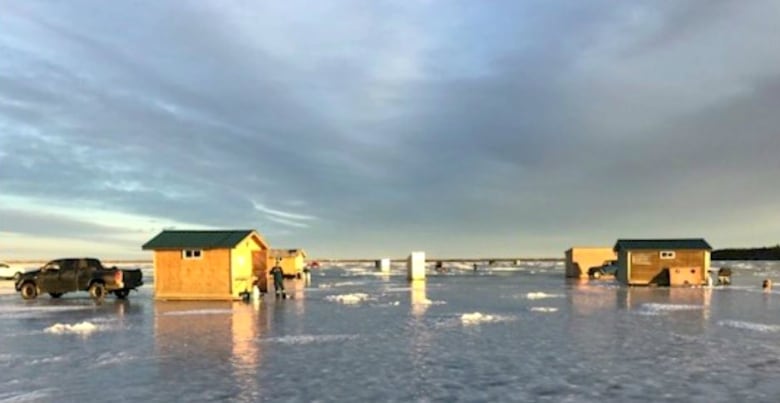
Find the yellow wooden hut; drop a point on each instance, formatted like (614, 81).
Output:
(581, 258)
(292, 261)
(207, 265)
(663, 261)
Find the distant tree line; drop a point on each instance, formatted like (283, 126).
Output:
(766, 253)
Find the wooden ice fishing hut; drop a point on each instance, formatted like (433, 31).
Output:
(207, 265)
(580, 259)
(292, 261)
(663, 262)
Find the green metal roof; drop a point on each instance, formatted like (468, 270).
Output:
(174, 239)
(692, 243)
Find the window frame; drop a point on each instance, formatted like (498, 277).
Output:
(192, 254)
(667, 255)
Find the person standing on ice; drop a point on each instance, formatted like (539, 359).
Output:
(278, 274)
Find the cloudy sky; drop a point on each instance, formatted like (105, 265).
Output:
(373, 128)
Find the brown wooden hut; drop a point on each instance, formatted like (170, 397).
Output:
(663, 261)
(207, 265)
(580, 259)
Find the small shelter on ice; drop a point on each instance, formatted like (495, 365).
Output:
(207, 265)
(663, 261)
(292, 261)
(580, 259)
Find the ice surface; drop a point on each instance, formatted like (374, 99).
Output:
(310, 338)
(199, 312)
(501, 336)
(544, 309)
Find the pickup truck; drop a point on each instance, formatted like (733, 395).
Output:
(608, 268)
(78, 274)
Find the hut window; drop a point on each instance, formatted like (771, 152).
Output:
(667, 254)
(192, 253)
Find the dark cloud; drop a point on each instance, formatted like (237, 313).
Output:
(362, 129)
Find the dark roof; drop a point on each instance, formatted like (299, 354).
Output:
(692, 243)
(197, 239)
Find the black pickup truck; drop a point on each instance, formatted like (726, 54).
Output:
(78, 274)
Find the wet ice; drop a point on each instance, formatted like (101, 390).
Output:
(501, 335)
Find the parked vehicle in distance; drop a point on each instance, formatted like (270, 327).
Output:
(78, 274)
(608, 268)
(8, 272)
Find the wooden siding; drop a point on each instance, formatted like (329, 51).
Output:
(204, 278)
(645, 267)
(579, 260)
(242, 265)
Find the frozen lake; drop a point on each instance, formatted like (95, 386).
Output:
(515, 334)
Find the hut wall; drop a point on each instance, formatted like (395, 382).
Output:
(291, 265)
(624, 266)
(647, 267)
(579, 260)
(204, 278)
(242, 265)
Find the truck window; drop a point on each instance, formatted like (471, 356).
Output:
(51, 266)
(93, 264)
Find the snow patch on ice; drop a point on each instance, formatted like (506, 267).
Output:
(34, 396)
(428, 302)
(654, 308)
(105, 359)
(348, 298)
(199, 312)
(758, 327)
(398, 289)
(542, 295)
(83, 328)
(544, 309)
(476, 318)
(46, 360)
(19, 312)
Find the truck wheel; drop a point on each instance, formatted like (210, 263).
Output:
(122, 294)
(55, 294)
(97, 291)
(29, 291)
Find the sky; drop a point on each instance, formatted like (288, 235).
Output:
(368, 129)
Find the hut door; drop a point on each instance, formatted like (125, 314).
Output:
(260, 270)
